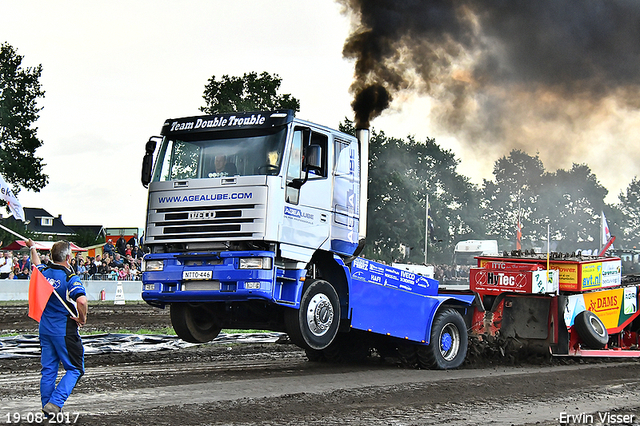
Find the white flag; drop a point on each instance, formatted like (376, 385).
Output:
(605, 233)
(14, 205)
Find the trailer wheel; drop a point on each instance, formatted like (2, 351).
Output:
(591, 330)
(315, 324)
(448, 345)
(193, 323)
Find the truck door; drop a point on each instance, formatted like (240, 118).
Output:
(307, 208)
(344, 224)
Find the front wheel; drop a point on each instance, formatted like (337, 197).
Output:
(448, 345)
(315, 324)
(193, 323)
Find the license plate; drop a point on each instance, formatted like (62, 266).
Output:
(196, 275)
(202, 215)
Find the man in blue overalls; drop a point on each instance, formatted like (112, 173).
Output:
(59, 338)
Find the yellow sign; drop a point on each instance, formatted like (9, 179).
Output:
(606, 305)
(591, 275)
(568, 275)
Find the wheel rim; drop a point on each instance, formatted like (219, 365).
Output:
(200, 319)
(449, 342)
(319, 314)
(597, 327)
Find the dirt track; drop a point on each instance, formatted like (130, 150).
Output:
(274, 384)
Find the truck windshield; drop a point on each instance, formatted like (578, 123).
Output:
(467, 259)
(236, 155)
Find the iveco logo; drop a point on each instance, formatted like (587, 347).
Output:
(202, 215)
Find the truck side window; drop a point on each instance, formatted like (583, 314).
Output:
(343, 162)
(322, 140)
(294, 168)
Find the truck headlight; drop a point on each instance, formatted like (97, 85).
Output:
(255, 263)
(152, 265)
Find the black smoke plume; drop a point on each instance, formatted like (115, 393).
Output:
(508, 72)
(368, 103)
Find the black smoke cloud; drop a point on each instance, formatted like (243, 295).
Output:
(499, 71)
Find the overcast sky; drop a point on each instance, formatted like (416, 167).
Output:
(114, 71)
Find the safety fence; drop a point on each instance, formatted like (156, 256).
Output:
(96, 290)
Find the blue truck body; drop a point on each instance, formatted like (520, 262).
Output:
(382, 299)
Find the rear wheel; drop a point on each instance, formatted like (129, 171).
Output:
(193, 323)
(448, 345)
(315, 324)
(591, 330)
(408, 354)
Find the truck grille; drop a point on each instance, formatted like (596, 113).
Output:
(206, 223)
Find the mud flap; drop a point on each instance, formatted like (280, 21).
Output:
(526, 317)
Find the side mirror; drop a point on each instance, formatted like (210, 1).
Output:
(313, 157)
(312, 161)
(147, 161)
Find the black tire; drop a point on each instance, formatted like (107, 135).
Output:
(356, 346)
(591, 330)
(448, 344)
(193, 323)
(314, 356)
(351, 347)
(315, 324)
(386, 349)
(408, 355)
(334, 352)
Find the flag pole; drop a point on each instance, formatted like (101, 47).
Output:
(602, 231)
(13, 232)
(518, 231)
(548, 248)
(426, 231)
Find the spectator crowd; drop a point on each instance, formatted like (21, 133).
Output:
(451, 272)
(14, 266)
(121, 261)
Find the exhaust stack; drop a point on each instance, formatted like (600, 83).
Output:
(363, 140)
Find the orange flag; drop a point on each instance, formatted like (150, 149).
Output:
(39, 292)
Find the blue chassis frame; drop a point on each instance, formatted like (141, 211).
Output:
(390, 305)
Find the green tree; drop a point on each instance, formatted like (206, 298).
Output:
(247, 93)
(15, 225)
(19, 92)
(401, 174)
(513, 194)
(572, 205)
(568, 203)
(86, 238)
(630, 208)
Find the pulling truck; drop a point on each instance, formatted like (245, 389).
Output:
(566, 304)
(256, 220)
(464, 257)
